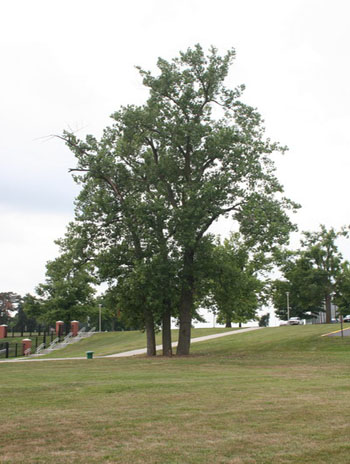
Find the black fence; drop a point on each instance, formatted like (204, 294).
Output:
(10, 349)
(37, 331)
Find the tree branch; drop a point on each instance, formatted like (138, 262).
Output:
(171, 196)
(213, 218)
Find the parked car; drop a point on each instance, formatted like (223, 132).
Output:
(295, 321)
(346, 318)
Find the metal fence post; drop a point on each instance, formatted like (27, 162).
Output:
(7, 349)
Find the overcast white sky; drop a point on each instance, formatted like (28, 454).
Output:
(70, 64)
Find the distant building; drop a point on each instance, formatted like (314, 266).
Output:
(320, 318)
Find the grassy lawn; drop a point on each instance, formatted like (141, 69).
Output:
(278, 395)
(117, 342)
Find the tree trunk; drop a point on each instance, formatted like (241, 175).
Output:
(228, 322)
(186, 305)
(150, 334)
(166, 333)
(328, 308)
(183, 346)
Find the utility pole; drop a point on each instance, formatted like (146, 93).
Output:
(287, 293)
(99, 318)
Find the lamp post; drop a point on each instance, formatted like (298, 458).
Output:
(287, 293)
(341, 326)
(99, 318)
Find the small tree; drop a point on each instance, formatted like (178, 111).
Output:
(67, 293)
(264, 320)
(235, 288)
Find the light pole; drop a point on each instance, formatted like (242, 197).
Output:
(99, 318)
(287, 293)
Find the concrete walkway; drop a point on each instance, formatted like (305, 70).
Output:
(126, 354)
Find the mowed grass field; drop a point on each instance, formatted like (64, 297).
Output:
(116, 342)
(277, 395)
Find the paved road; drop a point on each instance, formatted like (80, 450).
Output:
(337, 333)
(133, 352)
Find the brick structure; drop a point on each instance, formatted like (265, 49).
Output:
(59, 328)
(26, 346)
(3, 331)
(74, 328)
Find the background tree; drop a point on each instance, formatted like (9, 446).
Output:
(67, 293)
(342, 290)
(310, 274)
(321, 251)
(9, 304)
(236, 291)
(117, 319)
(305, 287)
(264, 320)
(165, 172)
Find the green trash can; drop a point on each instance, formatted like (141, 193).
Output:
(89, 354)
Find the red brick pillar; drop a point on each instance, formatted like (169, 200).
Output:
(74, 328)
(59, 328)
(3, 331)
(26, 345)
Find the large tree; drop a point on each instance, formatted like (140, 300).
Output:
(164, 172)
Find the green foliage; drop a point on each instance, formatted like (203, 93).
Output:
(66, 295)
(235, 291)
(342, 290)
(321, 251)
(311, 275)
(305, 287)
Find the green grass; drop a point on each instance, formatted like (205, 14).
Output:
(117, 342)
(278, 395)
